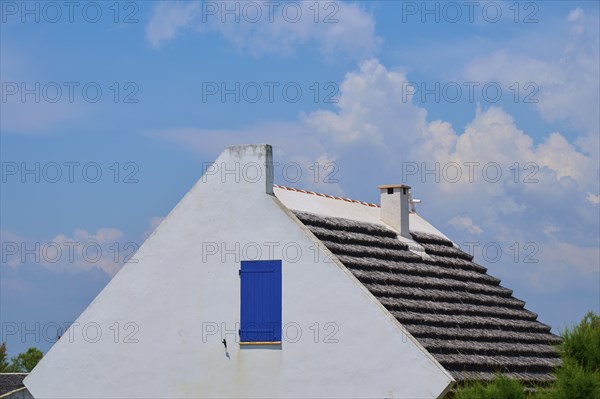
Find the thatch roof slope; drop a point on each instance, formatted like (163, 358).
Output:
(10, 382)
(471, 324)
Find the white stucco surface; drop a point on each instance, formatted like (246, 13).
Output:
(177, 292)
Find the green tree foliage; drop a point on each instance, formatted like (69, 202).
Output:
(22, 363)
(579, 375)
(500, 388)
(26, 361)
(582, 343)
(3, 361)
(577, 378)
(573, 382)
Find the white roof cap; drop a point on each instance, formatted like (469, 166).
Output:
(329, 205)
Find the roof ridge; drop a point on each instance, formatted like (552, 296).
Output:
(327, 196)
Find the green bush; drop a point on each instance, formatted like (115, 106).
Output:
(22, 363)
(577, 378)
(575, 382)
(572, 382)
(500, 388)
(579, 375)
(26, 361)
(582, 343)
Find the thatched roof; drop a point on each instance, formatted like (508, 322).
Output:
(472, 325)
(10, 382)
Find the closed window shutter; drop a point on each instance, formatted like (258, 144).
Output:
(260, 319)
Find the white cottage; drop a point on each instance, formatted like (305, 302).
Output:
(248, 289)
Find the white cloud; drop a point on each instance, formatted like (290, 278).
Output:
(168, 19)
(376, 120)
(10, 248)
(506, 212)
(84, 251)
(493, 136)
(490, 131)
(550, 231)
(155, 221)
(562, 157)
(568, 81)
(105, 249)
(575, 15)
(375, 110)
(337, 28)
(374, 107)
(560, 263)
(316, 165)
(465, 223)
(593, 198)
(577, 18)
(320, 174)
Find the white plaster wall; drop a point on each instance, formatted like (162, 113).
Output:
(171, 294)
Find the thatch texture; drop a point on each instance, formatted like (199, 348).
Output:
(10, 382)
(471, 324)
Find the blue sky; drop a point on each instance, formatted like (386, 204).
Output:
(362, 69)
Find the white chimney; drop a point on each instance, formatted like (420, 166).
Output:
(395, 201)
(248, 166)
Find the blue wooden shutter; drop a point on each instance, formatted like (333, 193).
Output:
(260, 319)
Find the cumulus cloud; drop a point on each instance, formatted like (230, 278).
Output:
(593, 198)
(374, 106)
(336, 28)
(493, 136)
(562, 157)
(106, 249)
(83, 250)
(542, 181)
(168, 20)
(376, 110)
(547, 182)
(565, 85)
(465, 223)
